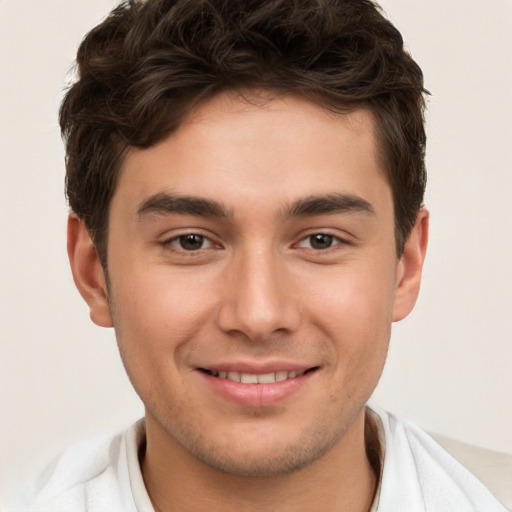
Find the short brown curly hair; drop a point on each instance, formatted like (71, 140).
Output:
(143, 69)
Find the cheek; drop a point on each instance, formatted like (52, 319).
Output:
(157, 312)
(353, 295)
(156, 320)
(355, 313)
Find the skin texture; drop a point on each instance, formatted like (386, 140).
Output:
(257, 292)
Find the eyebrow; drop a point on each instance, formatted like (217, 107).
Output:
(165, 203)
(328, 204)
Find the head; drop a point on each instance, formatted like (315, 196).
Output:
(252, 180)
(146, 67)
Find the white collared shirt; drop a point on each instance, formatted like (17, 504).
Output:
(104, 475)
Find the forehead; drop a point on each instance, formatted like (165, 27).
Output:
(241, 149)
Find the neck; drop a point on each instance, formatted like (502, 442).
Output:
(343, 479)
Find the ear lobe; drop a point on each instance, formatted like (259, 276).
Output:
(87, 272)
(408, 273)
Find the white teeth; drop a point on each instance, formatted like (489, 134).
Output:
(248, 378)
(266, 378)
(252, 378)
(281, 376)
(234, 376)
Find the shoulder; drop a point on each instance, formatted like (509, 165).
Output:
(434, 477)
(492, 468)
(89, 475)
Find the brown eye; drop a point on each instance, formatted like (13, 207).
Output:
(191, 242)
(321, 241)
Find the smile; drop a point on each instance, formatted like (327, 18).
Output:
(257, 387)
(254, 378)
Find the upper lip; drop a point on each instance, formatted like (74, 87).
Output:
(258, 368)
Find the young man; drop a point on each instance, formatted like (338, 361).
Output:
(246, 182)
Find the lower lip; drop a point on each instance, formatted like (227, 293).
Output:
(257, 395)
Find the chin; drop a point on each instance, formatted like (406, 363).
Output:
(252, 459)
(290, 461)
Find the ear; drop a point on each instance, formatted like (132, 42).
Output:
(87, 272)
(410, 265)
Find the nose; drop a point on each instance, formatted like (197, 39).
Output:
(257, 298)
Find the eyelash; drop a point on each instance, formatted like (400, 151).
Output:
(179, 240)
(333, 240)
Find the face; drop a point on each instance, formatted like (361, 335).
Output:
(253, 281)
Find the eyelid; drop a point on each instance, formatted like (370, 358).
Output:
(340, 236)
(207, 243)
(337, 240)
(173, 240)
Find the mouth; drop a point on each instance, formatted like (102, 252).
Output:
(258, 378)
(257, 386)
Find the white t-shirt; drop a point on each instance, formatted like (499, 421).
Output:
(103, 475)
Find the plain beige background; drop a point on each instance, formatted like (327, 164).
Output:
(449, 365)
